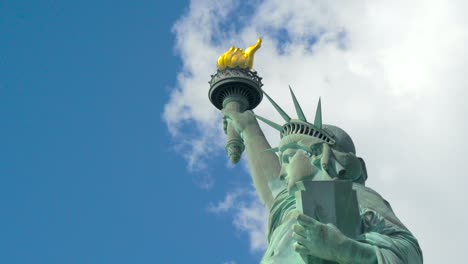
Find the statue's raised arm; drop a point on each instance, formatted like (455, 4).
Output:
(236, 89)
(263, 163)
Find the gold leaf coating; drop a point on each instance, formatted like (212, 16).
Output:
(236, 57)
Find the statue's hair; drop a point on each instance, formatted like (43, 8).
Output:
(299, 139)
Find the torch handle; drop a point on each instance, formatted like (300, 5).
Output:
(235, 144)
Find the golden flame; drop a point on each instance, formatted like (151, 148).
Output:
(236, 57)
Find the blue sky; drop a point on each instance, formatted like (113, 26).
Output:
(88, 170)
(110, 151)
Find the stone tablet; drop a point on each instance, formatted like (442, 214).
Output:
(330, 202)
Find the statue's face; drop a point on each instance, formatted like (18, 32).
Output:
(309, 158)
(302, 160)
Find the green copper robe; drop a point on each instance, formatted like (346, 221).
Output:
(393, 242)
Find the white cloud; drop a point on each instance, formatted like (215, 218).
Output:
(230, 201)
(391, 73)
(248, 213)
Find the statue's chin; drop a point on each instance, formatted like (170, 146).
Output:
(318, 176)
(322, 177)
(292, 183)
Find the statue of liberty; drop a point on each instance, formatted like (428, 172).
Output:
(312, 184)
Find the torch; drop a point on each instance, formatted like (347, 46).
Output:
(237, 88)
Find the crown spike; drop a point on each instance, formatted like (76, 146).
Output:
(270, 123)
(278, 108)
(299, 112)
(318, 115)
(272, 150)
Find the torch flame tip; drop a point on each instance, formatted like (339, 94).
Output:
(236, 57)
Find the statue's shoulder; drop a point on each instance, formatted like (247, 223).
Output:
(370, 199)
(369, 196)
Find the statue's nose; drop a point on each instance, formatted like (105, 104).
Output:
(282, 173)
(300, 166)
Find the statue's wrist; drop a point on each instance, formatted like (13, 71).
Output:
(357, 252)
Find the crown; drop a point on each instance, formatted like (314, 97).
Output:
(299, 126)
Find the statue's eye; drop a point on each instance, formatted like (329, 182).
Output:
(286, 157)
(316, 149)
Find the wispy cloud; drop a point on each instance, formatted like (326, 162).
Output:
(248, 215)
(391, 73)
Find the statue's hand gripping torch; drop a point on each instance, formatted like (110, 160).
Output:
(236, 88)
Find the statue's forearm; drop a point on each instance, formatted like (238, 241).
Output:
(264, 166)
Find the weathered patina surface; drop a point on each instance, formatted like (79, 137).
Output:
(304, 229)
